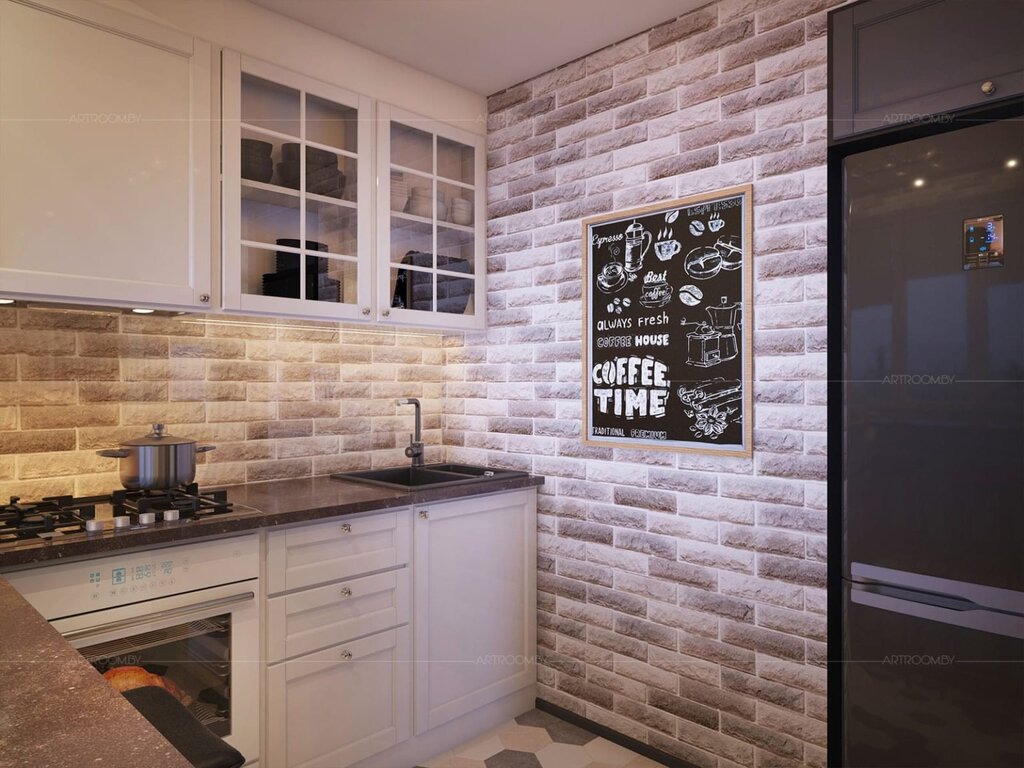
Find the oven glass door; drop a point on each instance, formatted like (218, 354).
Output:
(199, 646)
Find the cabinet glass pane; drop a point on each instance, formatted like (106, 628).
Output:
(268, 215)
(332, 124)
(424, 201)
(455, 161)
(455, 249)
(257, 263)
(412, 289)
(323, 174)
(335, 226)
(331, 280)
(454, 294)
(269, 105)
(412, 148)
(412, 241)
(455, 204)
(260, 154)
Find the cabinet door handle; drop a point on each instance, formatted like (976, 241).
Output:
(346, 655)
(424, 514)
(366, 311)
(346, 592)
(346, 528)
(386, 313)
(988, 87)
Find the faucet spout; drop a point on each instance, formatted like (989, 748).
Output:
(415, 448)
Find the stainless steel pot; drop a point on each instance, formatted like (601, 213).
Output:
(157, 461)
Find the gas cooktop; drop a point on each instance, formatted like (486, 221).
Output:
(55, 517)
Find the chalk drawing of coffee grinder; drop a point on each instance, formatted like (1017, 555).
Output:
(714, 342)
(635, 248)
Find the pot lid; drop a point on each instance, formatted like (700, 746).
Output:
(158, 437)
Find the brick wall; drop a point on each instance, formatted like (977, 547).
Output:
(682, 596)
(278, 399)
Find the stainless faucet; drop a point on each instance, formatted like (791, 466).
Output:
(415, 448)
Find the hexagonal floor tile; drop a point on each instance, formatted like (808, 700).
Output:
(564, 756)
(607, 753)
(524, 738)
(481, 748)
(537, 718)
(562, 732)
(511, 758)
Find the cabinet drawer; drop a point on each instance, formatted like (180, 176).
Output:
(339, 549)
(315, 618)
(338, 706)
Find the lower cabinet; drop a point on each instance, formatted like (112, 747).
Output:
(474, 615)
(366, 645)
(332, 708)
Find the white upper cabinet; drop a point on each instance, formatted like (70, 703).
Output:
(297, 191)
(431, 265)
(105, 151)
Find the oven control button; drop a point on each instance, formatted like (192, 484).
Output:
(171, 515)
(147, 518)
(94, 526)
(122, 522)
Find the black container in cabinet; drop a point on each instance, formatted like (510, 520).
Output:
(893, 62)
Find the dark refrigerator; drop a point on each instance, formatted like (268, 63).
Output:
(932, 454)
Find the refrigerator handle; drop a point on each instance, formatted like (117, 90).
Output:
(980, 595)
(943, 609)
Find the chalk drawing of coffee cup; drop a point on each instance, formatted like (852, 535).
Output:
(611, 278)
(666, 249)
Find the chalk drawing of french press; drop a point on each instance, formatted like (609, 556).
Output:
(635, 248)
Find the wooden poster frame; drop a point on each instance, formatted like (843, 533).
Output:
(747, 304)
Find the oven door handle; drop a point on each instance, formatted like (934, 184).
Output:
(149, 618)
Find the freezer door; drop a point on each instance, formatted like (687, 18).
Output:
(922, 693)
(934, 356)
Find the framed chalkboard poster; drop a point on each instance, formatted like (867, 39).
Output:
(667, 296)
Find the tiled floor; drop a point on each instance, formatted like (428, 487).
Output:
(539, 740)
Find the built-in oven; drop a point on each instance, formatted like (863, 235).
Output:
(185, 618)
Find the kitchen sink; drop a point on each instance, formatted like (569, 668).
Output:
(428, 476)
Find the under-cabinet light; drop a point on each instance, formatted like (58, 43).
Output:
(142, 311)
(6, 301)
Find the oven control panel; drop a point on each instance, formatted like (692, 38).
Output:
(67, 589)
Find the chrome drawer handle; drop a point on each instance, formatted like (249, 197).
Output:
(346, 592)
(346, 528)
(346, 655)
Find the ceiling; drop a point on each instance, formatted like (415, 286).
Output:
(482, 45)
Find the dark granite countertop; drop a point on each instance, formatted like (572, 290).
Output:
(59, 712)
(87, 721)
(258, 505)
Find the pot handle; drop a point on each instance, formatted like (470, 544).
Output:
(114, 453)
(204, 448)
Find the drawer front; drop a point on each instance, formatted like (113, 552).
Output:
(306, 621)
(338, 549)
(338, 706)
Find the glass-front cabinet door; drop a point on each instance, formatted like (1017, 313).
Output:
(297, 190)
(431, 267)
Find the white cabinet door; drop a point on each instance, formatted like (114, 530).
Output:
(297, 194)
(474, 613)
(105, 150)
(336, 707)
(431, 222)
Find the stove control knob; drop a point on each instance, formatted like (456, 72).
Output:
(171, 515)
(122, 522)
(94, 526)
(147, 518)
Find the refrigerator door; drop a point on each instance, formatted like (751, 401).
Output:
(924, 693)
(934, 356)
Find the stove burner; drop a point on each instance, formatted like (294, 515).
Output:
(49, 518)
(187, 501)
(54, 516)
